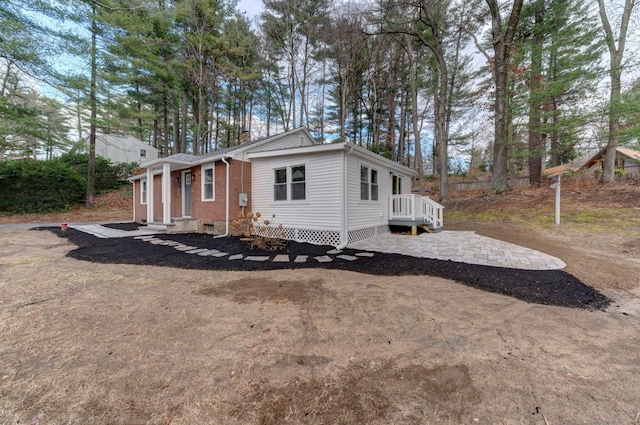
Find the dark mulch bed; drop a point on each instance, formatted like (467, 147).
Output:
(551, 287)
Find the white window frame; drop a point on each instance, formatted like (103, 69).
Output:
(374, 185)
(143, 191)
(203, 182)
(288, 184)
(370, 184)
(143, 153)
(296, 183)
(364, 193)
(284, 184)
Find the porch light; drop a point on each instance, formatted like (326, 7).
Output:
(176, 179)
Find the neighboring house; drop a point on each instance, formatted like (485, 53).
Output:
(330, 194)
(626, 159)
(124, 149)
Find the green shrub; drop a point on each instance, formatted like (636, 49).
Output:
(30, 186)
(108, 176)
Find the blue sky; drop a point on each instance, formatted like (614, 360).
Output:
(251, 7)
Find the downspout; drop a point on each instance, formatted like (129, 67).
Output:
(345, 202)
(133, 182)
(226, 221)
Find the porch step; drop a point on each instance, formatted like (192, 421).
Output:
(177, 225)
(429, 228)
(161, 227)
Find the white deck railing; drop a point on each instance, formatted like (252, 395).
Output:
(415, 208)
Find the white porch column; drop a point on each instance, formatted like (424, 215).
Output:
(149, 195)
(166, 193)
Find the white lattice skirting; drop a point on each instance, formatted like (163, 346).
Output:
(367, 233)
(318, 237)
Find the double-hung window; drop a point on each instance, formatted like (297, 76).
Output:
(208, 184)
(280, 184)
(374, 184)
(364, 183)
(290, 183)
(143, 192)
(368, 184)
(298, 183)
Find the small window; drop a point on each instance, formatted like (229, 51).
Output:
(143, 153)
(143, 192)
(280, 184)
(374, 185)
(298, 181)
(208, 192)
(364, 183)
(368, 184)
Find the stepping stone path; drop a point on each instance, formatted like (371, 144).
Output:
(459, 246)
(279, 258)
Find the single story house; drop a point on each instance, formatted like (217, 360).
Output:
(125, 149)
(329, 194)
(626, 159)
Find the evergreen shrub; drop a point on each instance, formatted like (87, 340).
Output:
(31, 186)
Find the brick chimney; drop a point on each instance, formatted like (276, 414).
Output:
(245, 137)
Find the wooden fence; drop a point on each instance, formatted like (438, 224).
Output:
(484, 184)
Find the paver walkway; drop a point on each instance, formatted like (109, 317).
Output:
(462, 246)
(107, 232)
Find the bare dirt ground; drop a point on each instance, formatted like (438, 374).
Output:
(89, 343)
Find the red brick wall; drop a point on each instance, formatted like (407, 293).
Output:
(206, 211)
(140, 210)
(209, 211)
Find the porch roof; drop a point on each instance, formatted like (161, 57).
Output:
(181, 161)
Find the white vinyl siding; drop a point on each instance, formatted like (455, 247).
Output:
(294, 140)
(124, 149)
(364, 214)
(321, 207)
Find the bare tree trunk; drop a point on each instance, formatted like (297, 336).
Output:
(175, 120)
(343, 106)
(165, 124)
(391, 126)
(615, 72)
(502, 45)
(91, 166)
(6, 77)
(184, 126)
(535, 102)
(418, 165)
(401, 133)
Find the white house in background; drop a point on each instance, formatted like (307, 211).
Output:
(126, 149)
(328, 194)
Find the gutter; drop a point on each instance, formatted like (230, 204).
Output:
(345, 201)
(226, 232)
